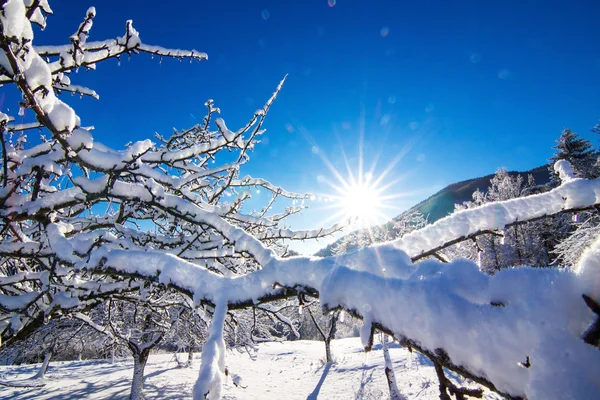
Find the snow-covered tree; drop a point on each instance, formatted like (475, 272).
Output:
(61, 339)
(583, 227)
(141, 324)
(61, 255)
(66, 195)
(188, 332)
(579, 152)
(397, 227)
(70, 195)
(561, 236)
(517, 245)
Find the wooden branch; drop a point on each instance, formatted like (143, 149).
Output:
(447, 388)
(4, 154)
(592, 334)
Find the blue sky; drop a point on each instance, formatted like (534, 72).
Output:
(457, 88)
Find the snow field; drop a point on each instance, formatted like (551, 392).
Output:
(288, 370)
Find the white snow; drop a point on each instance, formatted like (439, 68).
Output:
(282, 370)
(573, 193)
(438, 305)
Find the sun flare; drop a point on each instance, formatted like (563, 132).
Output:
(360, 201)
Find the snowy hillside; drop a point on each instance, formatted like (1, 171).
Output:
(442, 203)
(288, 370)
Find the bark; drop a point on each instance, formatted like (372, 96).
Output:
(328, 357)
(447, 388)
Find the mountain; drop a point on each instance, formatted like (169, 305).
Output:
(442, 203)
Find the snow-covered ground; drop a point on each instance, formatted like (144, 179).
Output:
(289, 370)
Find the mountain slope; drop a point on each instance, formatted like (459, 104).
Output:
(442, 203)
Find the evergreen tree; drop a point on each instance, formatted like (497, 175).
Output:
(596, 129)
(579, 152)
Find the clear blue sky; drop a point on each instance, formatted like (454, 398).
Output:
(463, 87)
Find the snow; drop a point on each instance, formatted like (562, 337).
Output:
(286, 370)
(16, 302)
(588, 272)
(564, 170)
(13, 22)
(437, 306)
(440, 306)
(573, 193)
(212, 367)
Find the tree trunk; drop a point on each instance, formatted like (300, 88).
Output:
(80, 355)
(44, 368)
(389, 370)
(520, 258)
(328, 357)
(137, 384)
(112, 354)
(190, 356)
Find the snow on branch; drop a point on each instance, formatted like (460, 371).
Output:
(69, 195)
(83, 223)
(444, 310)
(212, 369)
(451, 311)
(573, 195)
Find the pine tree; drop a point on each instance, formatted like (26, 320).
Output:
(579, 152)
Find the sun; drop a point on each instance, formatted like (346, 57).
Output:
(360, 201)
(360, 196)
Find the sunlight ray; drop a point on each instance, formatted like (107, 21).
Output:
(407, 147)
